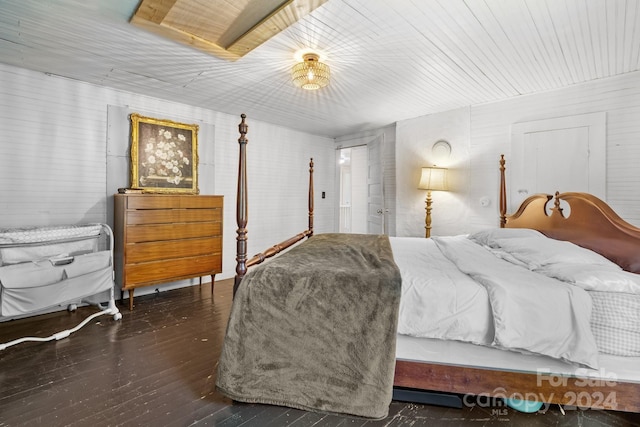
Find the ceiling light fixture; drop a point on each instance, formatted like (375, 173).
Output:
(311, 74)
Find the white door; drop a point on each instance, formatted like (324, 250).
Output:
(375, 189)
(562, 154)
(559, 161)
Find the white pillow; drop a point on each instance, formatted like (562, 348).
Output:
(536, 252)
(489, 237)
(594, 277)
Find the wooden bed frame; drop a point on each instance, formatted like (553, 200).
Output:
(590, 217)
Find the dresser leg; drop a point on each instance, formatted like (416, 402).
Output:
(213, 278)
(131, 299)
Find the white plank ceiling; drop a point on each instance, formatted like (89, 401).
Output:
(390, 60)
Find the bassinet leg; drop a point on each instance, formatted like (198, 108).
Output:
(112, 308)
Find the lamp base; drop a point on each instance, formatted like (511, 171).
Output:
(427, 220)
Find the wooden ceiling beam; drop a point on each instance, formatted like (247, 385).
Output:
(173, 19)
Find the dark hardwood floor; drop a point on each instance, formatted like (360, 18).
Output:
(157, 367)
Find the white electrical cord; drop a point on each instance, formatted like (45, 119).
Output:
(62, 334)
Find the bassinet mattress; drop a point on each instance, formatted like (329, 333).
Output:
(21, 236)
(39, 243)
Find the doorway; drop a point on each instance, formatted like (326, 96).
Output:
(353, 189)
(365, 183)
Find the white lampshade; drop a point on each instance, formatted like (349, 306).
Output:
(433, 178)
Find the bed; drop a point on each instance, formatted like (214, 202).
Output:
(321, 345)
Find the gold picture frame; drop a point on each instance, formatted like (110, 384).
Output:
(164, 155)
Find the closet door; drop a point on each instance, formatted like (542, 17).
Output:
(561, 154)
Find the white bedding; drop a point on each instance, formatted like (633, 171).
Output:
(438, 300)
(515, 289)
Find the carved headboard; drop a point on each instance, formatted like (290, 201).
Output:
(590, 223)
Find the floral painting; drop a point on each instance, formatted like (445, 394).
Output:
(164, 155)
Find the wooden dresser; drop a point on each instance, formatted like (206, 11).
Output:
(163, 238)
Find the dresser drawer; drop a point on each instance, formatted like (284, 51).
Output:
(164, 201)
(170, 270)
(160, 232)
(166, 216)
(155, 251)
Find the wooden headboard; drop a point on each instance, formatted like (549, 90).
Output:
(590, 223)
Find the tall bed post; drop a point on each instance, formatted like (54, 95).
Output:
(241, 207)
(310, 231)
(242, 261)
(503, 194)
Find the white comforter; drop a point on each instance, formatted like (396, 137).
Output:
(504, 288)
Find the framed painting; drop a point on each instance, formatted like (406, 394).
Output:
(164, 155)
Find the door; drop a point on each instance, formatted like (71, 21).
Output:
(559, 161)
(376, 217)
(561, 154)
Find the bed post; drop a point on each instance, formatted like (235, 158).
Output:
(241, 207)
(242, 261)
(503, 194)
(310, 231)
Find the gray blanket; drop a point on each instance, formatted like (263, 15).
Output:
(315, 328)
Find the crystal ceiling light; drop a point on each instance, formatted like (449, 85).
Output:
(311, 74)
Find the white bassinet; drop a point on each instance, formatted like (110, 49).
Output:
(46, 267)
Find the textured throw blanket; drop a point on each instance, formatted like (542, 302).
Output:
(315, 328)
